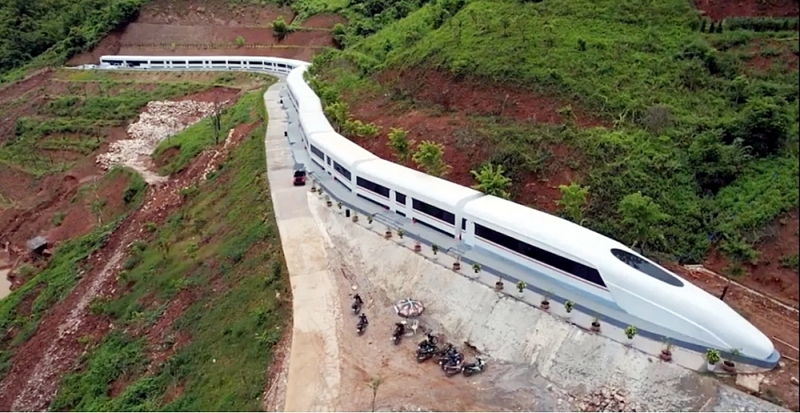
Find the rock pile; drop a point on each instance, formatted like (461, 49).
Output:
(160, 120)
(608, 400)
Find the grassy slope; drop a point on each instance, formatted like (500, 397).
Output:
(619, 59)
(56, 281)
(225, 251)
(77, 123)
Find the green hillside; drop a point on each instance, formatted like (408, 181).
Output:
(692, 125)
(48, 32)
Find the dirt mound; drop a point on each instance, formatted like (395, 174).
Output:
(720, 9)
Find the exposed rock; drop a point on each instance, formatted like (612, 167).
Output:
(607, 400)
(794, 381)
(751, 382)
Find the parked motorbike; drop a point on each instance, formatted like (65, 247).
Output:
(362, 324)
(474, 368)
(426, 351)
(452, 369)
(399, 330)
(357, 304)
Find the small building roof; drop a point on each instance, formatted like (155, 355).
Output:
(36, 242)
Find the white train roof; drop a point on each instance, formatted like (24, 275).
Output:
(340, 148)
(290, 62)
(426, 188)
(315, 122)
(558, 234)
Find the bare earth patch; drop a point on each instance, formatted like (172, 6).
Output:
(720, 9)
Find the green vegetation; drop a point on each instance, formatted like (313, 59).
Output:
(573, 201)
(54, 282)
(790, 262)
(195, 138)
(430, 157)
(48, 32)
(221, 249)
(400, 144)
(691, 124)
(492, 181)
(74, 125)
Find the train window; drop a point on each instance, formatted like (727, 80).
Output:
(114, 62)
(463, 224)
(195, 62)
(341, 170)
(233, 62)
(157, 62)
(218, 62)
(135, 64)
(400, 197)
(281, 65)
(318, 152)
(537, 254)
(373, 201)
(644, 266)
(179, 62)
(372, 187)
(433, 211)
(329, 161)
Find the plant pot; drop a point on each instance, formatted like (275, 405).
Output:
(387, 234)
(355, 218)
(498, 285)
(329, 203)
(595, 327)
(568, 315)
(456, 266)
(711, 367)
(417, 248)
(729, 366)
(665, 355)
(313, 189)
(545, 305)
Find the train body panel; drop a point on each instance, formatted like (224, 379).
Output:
(568, 253)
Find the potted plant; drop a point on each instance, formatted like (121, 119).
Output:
(319, 191)
(355, 216)
(435, 249)
(630, 332)
(498, 285)
(569, 305)
(596, 324)
(712, 358)
(521, 286)
(476, 268)
(417, 246)
(328, 201)
(729, 365)
(339, 204)
(545, 303)
(388, 233)
(400, 233)
(457, 263)
(666, 352)
(369, 219)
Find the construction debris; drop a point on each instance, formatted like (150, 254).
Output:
(608, 400)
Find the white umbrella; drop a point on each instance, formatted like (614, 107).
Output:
(409, 308)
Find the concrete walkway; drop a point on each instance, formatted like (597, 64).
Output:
(313, 378)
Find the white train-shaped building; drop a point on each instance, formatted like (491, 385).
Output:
(561, 250)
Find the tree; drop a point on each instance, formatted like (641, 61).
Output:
(279, 28)
(398, 141)
(430, 157)
(337, 112)
(216, 122)
(375, 384)
(763, 126)
(642, 217)
(492, 181)
(573, 201)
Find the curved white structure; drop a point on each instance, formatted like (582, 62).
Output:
(570, 254)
